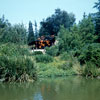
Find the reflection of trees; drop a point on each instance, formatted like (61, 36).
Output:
(70, 88)
(23, 91)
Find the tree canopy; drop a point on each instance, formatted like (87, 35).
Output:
(97, 19)
(52, 24)
(9, 33)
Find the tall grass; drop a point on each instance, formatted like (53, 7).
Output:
(16, 64)
(91, 70)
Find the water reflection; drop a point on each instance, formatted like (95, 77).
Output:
(70, 88)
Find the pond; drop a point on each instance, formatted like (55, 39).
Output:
(69, 88)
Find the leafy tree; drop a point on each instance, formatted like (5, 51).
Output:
(21, 31)
(31, 37)
(87, 30)
(78, 35)
(3, 24)
(76, 38)
(14, 34)
(52, 24)
(9, 33)
(69, 40)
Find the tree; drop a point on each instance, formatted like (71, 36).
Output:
(31, 37)
(97, 5)
(52, 24)
(3, 24)
(78, 35)
(97, 20)
(14, 34)
(36, 31)
(21, 32)
(87, 30)
(69, 39)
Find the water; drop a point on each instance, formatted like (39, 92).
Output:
(70, 88)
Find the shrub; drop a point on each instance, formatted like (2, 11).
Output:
(64, 56)
(13, 68)
(37, 53)
(15, 63)
(52, 51)
(11, 49)
(44, 58)
(90, 53)
(67, 65)
(90, 69)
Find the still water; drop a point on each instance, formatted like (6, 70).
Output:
(70, 88)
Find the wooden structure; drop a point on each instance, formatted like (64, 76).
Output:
(43, 41)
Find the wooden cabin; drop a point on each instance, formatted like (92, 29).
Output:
(43, 41)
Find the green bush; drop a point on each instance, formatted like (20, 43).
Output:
(11, 49)
(90, 70)
(52, 51)
(67, 65)
(16, 63)
(44, 58)
(13, 68)
(37, 53)
(90, 53)
(64, 56)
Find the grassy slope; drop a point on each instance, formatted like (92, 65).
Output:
(55, 69)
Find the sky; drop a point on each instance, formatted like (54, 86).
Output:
(23, 11)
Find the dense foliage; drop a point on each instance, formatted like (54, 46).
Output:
(52, 51)
(77, 36)
(14, 34)
(15, 63)
(90, 53)
(52, 24)
(31, 37)
(97, 19)
(44, 58)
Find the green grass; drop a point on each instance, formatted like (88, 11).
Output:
(54, 69)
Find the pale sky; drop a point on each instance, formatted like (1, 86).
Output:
(18, 11)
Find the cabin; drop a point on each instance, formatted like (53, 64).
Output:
(42, 42)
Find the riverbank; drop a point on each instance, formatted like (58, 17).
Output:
(57, 68)
(66, 67)
(18, 64)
